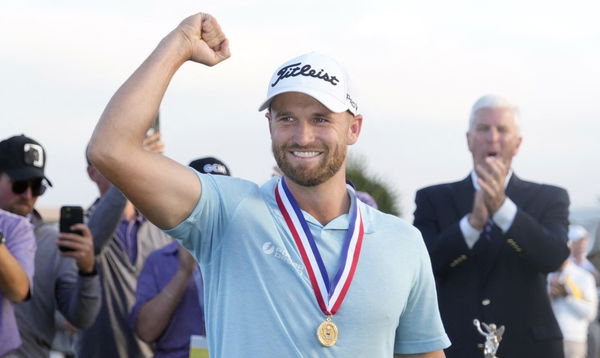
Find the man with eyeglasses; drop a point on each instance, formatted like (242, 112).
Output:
(66, 281)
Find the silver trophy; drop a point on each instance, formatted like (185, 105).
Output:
(493, 336)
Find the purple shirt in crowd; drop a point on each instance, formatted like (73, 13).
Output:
(127, 234)
(20, 242)
(188, 318)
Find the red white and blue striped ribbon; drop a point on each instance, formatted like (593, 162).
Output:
(329, 295)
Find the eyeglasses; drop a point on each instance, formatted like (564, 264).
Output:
(37, 187)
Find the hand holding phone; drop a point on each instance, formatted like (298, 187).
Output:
(69, 216)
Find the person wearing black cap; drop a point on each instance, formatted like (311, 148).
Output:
(210, 165)
(22, 164)
(64, 281)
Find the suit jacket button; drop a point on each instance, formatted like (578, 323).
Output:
(485, 302)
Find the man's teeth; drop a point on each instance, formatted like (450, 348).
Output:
(306, 154)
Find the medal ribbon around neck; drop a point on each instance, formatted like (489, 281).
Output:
(329, 296)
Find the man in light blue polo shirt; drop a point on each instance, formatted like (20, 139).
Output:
(297, 267)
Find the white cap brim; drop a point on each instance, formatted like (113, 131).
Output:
(325, 99)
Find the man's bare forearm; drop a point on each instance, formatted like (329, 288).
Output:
(116, 148)
(14, 283)
(155, 315)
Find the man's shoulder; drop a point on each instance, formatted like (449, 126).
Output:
(542, 188)
(378, 221)
(581, 273)
(9, 221)
(231, 189)
(442, 187)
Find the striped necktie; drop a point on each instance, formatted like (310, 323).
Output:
(487, 229)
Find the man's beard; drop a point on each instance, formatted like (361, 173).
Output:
(19, 209)
(330, 164)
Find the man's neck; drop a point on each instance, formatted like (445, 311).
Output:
(325, 201)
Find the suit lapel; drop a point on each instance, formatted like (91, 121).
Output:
(518, 192)
(463, 194)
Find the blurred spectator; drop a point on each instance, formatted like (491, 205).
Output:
(123, 239)
(17, 250)
(366, 198)
(64, 280)
(594, 254)
(579, 238)
(170, 300)
(493, 238)
(210, 165)
(574, 300)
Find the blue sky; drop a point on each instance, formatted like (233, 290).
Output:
(417, 68)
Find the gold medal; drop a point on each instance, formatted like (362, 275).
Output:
(327, 333)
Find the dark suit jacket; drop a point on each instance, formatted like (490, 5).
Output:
(502, 280)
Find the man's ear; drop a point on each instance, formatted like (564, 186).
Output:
(354, 128)
(518, 146)
(468, 137)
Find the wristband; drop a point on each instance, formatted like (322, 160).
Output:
(94, 272)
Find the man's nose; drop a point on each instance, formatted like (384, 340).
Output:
(303, 133)
(28, 194)
(493, 134)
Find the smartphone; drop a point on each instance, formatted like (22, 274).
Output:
(155, 128)
(69, 216)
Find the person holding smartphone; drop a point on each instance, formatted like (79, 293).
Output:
(66, 279)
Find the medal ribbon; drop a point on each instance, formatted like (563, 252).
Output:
(329, 296)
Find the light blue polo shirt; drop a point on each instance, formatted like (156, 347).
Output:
(258, 298)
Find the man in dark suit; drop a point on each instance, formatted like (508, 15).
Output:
(492, 238)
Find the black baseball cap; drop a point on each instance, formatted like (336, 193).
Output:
(22, 158)
(210, 165)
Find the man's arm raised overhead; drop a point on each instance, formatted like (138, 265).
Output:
(162, 189)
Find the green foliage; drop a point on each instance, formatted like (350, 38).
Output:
(381, 191)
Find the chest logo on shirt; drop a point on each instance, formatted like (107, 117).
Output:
(268, 248)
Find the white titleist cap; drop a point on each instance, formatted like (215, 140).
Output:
(316, 75)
